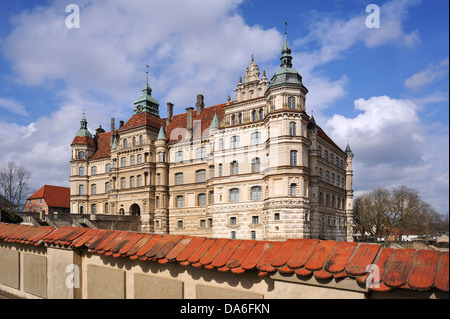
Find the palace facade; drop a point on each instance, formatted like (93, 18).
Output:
(256, 167)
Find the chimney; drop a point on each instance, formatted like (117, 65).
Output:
(200, 104)
(112, 132)
(189, 120)
(169, 110)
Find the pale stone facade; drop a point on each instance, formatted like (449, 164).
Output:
(257, 167)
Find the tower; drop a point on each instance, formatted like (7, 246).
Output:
(161, 213)
(83, 147)
(349, 190)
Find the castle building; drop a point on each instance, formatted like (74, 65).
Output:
(257, 167)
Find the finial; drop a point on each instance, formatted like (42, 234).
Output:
(147, 67)
(252, 58)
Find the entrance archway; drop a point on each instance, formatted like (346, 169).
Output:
(135, 210)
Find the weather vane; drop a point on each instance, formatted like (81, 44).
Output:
(285, 27)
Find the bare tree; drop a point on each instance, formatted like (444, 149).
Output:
(14, 186)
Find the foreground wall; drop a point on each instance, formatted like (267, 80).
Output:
(72, 263)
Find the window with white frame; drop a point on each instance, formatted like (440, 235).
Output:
(256, 193)
(180, 201)
(234, 142)
(255, 138)
(234, 195)
(293, 158)
(202, 200)
(234, 168)
(256, 165)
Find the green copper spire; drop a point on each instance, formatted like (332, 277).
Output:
(114, 144)
(348, 151)
(83, 131)
(146, 103)
(215, 121)
(286, 74)
(162, 134)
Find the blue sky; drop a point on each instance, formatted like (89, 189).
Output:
(384, 90)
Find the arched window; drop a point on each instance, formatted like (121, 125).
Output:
(320, 174)
(234, 168)
(234, 141)
(132, 160)
(122, 183)
(139, 158)
(256, 165)
(254, 118)
(133, 141)
(292, 128)
(256, 193)
(125, 143)
(234, 195)
(158, 179)
(107, 187)
(139, 180)
(132, 182)
(326, 155)
(291, 102)
(108, 168)
(332, 178)
(293, 190)
(123, 162)
(93, 189)
(255, 138)
(94, 170)
(331, 158)
(141, 140)
(327, 176)
(233, 119)
(201, 175)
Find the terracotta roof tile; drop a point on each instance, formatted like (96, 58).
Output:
(241, 252)
(320, 255)
(301, 255)
(226, 253)
(178, 248)
(201, 251)
(255, 255)
(215, 249)
(285, 252)
(424, 269)
(365, 254)
(326, 260)
(441, 280)
(340, 257)
(397, 271)
(193, 245)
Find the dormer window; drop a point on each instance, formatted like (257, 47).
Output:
(81, 155)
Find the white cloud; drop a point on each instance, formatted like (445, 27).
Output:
(13, 106)
(430, 75)
(393, 147)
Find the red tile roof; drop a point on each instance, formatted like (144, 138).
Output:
(104, 147)
(83, 140)
(399, 268)
(141, 119)
(179, 121)
(54, 196)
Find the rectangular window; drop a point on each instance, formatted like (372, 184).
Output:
(180, 201)
(232, 221)
(180, 224)
(234, 195)
(179, 156)
(234, 142)
(179, 179)
(256, 193)
(201, 176)
(255, 138)
(293, 159)
(253, 235)
(221, 144)
(202, 200)
(255, 220)
(202, 223)
(201, 152)
(293, 190)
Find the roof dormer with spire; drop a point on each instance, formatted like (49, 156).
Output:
(253, 86)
